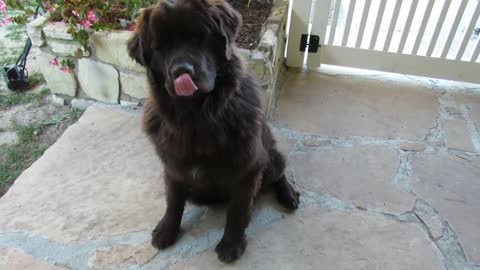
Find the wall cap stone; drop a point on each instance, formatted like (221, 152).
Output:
(57, 30)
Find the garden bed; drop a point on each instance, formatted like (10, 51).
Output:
(254, 16)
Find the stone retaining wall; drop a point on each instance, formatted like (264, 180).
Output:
(109, 75)
(267, 60)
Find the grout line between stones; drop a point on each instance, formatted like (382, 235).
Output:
(449, 244)
(471, 127)
(402, 177)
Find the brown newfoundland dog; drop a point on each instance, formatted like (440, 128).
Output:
(205, 119)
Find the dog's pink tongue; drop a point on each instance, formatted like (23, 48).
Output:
(184, 86)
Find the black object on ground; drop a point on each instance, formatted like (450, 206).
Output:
(16, 75)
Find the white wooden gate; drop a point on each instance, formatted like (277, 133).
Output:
(432, 38)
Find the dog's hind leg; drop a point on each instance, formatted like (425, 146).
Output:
(274, 177)
(286, 194)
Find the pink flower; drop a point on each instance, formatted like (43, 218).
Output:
(6, 21)
(54, 61)
(66, 69)
(86, 23)
(75, 12)
(91, 16)
(131, 27)
(3, 6)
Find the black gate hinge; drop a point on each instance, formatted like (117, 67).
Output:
(313, 43)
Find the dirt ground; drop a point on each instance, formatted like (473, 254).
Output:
(254, 15)
(29, 123)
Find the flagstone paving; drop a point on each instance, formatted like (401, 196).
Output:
(389, 171)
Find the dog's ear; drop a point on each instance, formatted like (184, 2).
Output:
(136, 45)
(228, 22)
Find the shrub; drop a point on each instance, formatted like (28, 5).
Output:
(82, 16)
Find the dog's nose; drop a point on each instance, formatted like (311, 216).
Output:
(182, 68)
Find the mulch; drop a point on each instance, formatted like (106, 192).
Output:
(253, 18)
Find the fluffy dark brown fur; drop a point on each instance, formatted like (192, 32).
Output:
(215, 145)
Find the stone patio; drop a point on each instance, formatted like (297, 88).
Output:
(388, 167)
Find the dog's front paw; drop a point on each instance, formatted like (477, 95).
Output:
(165, 234)
(230, 251)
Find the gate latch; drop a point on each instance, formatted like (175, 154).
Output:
(313, 43)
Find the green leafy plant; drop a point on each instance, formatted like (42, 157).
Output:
(35, 79)
(66, 65)
(82, 16)
(19, 11)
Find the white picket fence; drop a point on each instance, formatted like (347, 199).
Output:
(432, 38)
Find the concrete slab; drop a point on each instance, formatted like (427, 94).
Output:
(347, 106)
(320, 238)
(474, 113)
(450, 183)
(458, 136)
(360, 174)
(472, 102)
(101, 178)
(412, 146)
(467, 98)
(15, 259)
